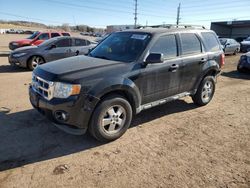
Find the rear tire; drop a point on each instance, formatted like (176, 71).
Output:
(34, 61)
(111, 118)
(205, 91)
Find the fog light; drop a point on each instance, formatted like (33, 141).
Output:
(61, 116)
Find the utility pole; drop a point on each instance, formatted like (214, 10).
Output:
(135, 18)
(178, 14)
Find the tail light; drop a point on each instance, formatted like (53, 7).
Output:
(222, 60)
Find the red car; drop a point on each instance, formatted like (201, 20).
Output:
(36, 39)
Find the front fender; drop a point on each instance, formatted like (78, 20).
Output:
(117, 84)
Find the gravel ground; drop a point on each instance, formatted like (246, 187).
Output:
(174, 145)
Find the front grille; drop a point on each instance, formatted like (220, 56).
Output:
(43, 87)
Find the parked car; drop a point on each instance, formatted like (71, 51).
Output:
(52, 49)
(230, 46)
(245, 45)
(35, 39)
(128, 72)
(11, 31)
(244, 63)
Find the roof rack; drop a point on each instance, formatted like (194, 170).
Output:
(170, 26)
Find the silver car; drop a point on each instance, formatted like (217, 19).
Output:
(230, 46)
(50, 50)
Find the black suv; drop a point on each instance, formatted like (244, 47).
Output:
(128, 72)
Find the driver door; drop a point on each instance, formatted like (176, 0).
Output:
(161, 80)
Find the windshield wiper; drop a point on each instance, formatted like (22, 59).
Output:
(101, 57)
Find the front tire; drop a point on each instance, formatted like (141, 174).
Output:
(34, 61)
(205, 91)
(111, 119)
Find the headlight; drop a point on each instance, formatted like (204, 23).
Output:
(19, 54)
(15, 44)
(62, 90)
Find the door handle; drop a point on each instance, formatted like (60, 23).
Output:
(173, 68)
(77, 52)
(203, 60)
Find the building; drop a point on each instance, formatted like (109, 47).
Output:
(232, 29)
(113, 28)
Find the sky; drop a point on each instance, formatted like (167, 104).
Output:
(99, 13)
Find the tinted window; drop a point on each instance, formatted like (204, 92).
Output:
(190, 44)
(44, 36)
(80, 42)
(34, 35)
(55, 35)
(165, 45)
(65, 34)
(211, 41)
(63, 43)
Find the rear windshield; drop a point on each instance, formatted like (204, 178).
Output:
(211, 41)
(123, 46)
(223, 41)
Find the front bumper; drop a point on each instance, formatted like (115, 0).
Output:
(13, 47)
(21, 61)
(77, 109)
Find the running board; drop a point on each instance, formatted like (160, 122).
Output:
(161, 101)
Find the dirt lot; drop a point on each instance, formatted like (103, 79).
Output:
(174, 145)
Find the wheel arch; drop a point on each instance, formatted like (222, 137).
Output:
(29, 58)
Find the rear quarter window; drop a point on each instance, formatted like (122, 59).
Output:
(210, 41)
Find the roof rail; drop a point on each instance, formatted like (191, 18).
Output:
(169, 26)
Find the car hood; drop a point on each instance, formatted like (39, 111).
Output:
(25, 49)
(81, 67)
(23, 41)
(245, 42)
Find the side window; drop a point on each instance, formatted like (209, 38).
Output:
(211, 41)
(55, 35)
(63, 43)
(190, 44)
(44, 36)
(87, 42)
(80, 42)
(65, 34)
(165, 45)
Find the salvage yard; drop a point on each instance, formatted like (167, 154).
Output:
(174, 145)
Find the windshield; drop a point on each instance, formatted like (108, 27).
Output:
(34, 35)
(123, 46)
(223, 41)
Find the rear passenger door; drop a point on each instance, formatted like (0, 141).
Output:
(161, 80)
(80, 46)
(193, 58)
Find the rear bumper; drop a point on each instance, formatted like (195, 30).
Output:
(78, 111)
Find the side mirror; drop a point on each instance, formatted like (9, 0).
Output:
(154, 58)
(227, 44)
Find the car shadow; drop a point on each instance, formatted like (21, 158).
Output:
(237, 75)
(27, 137)
(12, 69)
